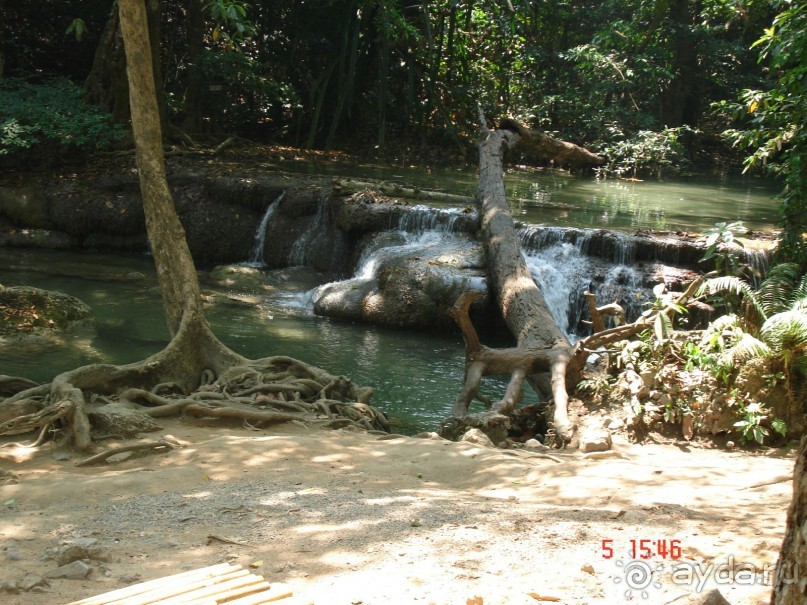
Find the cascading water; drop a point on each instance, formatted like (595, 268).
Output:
(256, 258)
(421, 219)
(299, 250)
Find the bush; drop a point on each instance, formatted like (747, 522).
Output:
(647, 152)
(240, 95)
(48, 121)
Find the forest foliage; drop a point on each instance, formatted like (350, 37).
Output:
(654, 85)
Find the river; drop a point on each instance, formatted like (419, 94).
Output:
(415, 374)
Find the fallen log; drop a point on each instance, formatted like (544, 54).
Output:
(543, 352)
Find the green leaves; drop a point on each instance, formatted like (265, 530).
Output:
(51, 118)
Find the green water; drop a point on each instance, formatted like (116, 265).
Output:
(556, 198)
(416, 375)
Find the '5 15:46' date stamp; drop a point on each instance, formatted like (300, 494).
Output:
(645, 548)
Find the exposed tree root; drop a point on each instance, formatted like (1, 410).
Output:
(206, 380)
(166, 443)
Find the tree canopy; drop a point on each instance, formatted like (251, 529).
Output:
(650, 84)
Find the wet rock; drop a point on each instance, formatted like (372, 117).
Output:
(119, 420)
(45, 310)
(77, 570)
(412, 285)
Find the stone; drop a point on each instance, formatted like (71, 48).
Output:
(32, 580)
(595, 439)
(13, 555)
(77, 570)
(476, 437)
(713, 597)
(82, 548)
(534, 444)
(61, 456)
(119, 420)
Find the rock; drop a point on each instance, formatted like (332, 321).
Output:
(595, 439)
(730, 445)
(713, 597)
(60, 456)
(476, 437)
(119, 420)
(430, 435)
(534, 444)
(13, 555)
(409, 286)
(77, 570)
(82, 548)
(239, 277)
(31, 581)
(45, 310)
(10, 587)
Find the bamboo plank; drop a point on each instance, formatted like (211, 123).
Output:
(111, 597)
(210, 592)
(277, 592)
(173, 589)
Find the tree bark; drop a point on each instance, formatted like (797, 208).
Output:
(106, 84)
(790, 580)
(542, 352)
(194, 90)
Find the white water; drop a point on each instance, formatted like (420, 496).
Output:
(256, 258)
(297, 256)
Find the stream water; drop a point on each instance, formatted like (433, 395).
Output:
(416, 375)
(693, 203)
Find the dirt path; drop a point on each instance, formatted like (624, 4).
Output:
(347, 518)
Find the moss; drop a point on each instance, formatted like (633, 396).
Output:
(25, 309)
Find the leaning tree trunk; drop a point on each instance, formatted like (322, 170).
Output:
(543, 353)
(790, 581)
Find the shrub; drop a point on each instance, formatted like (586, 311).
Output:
(47, 121)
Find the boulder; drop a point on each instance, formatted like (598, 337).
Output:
(116, 419)
(27, 309)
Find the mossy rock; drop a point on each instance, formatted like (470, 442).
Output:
(24, 309)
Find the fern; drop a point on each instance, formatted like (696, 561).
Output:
(787, 332)
(733, 285)
(776, 293)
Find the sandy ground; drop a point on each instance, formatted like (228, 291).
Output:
(348, 518)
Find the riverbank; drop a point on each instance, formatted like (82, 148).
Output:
(346, 518)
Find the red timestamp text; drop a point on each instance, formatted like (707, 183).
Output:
(645, 548)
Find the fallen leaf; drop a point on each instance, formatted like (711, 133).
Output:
(475, 601)
(538, 597)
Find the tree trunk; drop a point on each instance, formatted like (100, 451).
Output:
(194, 358)
(175, 268)
(543, 352)
(106, 84)
(790, 581)
(194, 90)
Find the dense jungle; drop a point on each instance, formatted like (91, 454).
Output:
(611, 195)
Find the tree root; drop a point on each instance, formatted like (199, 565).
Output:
(263, 391)
(167, 443)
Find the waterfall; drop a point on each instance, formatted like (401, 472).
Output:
(421, 219)
(256, 258)
(563, 273)
(299, 249)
